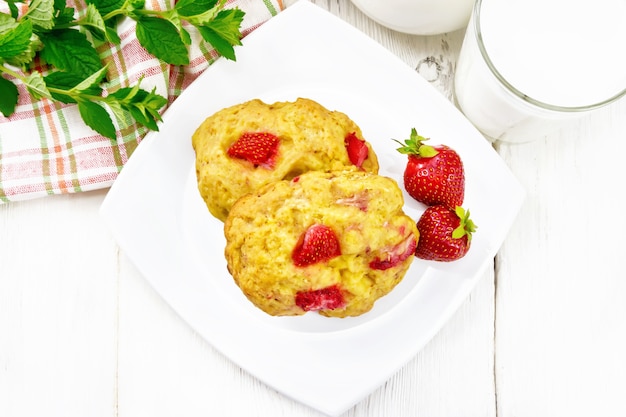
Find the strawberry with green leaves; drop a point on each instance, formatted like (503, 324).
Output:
(445, 233)
(433, 174)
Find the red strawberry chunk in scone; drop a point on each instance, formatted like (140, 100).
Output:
(328, 298)
(357, 149)
(395, 255)
(359, 200)
(317, 244)
(258, 148)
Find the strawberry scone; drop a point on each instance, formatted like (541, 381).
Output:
(331, 242)
(242, 147)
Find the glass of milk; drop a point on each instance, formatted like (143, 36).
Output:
(527, 66)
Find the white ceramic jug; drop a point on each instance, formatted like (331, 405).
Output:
(418, 17)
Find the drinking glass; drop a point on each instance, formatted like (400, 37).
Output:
(526, 67)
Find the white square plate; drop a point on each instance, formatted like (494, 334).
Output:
(156, 215)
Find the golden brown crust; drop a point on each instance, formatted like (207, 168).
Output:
(311, 138)
(363, 209)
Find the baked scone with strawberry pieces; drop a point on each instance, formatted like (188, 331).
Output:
(331, 242)
(242, 147)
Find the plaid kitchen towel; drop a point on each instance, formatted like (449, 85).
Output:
(45, 147)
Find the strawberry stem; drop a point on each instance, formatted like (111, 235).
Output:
(466, 227)
(415, 146)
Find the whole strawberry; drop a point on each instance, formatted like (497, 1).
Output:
(433, 174)
(445, 234)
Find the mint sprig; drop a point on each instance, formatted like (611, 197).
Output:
(69, 50)
(48, 33)
(8, 92)
(161, 38)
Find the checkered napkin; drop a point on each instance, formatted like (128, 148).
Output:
(45, 147)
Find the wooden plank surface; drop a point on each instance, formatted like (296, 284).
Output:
(83, 334)
(58, 309)
(560, 329)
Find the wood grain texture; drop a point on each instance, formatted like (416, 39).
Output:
(82, 333)
(560, 329)
(58, 309)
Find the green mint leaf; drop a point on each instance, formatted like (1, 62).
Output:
(222, 46)
(190, 8)
(173, 17)
(14, 36)
(27, 55)
(227, 24)
(69, 50)
(147, 109)
(161, 39)
(18, 43)
(97, 118)
(94, 23)
(107, 6)
(59, 84)
(8, 97)
(36, 86)
(112, 36)
(7, 22)
(60, 4)
(141, 117)
(14, 10)
(119, 113)
(223, 32)
(92, 82)
(41, 13)
(138, 4)
(65, 86)
(125, 94)
(63, 15)
(142, 105)
(184, 35)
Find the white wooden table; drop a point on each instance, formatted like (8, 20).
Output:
(82, 334)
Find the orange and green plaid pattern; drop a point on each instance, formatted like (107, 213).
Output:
(45, 148)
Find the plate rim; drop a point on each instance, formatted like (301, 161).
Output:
(332, 406)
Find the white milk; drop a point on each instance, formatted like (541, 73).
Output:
(565, 54)
(418, 17)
